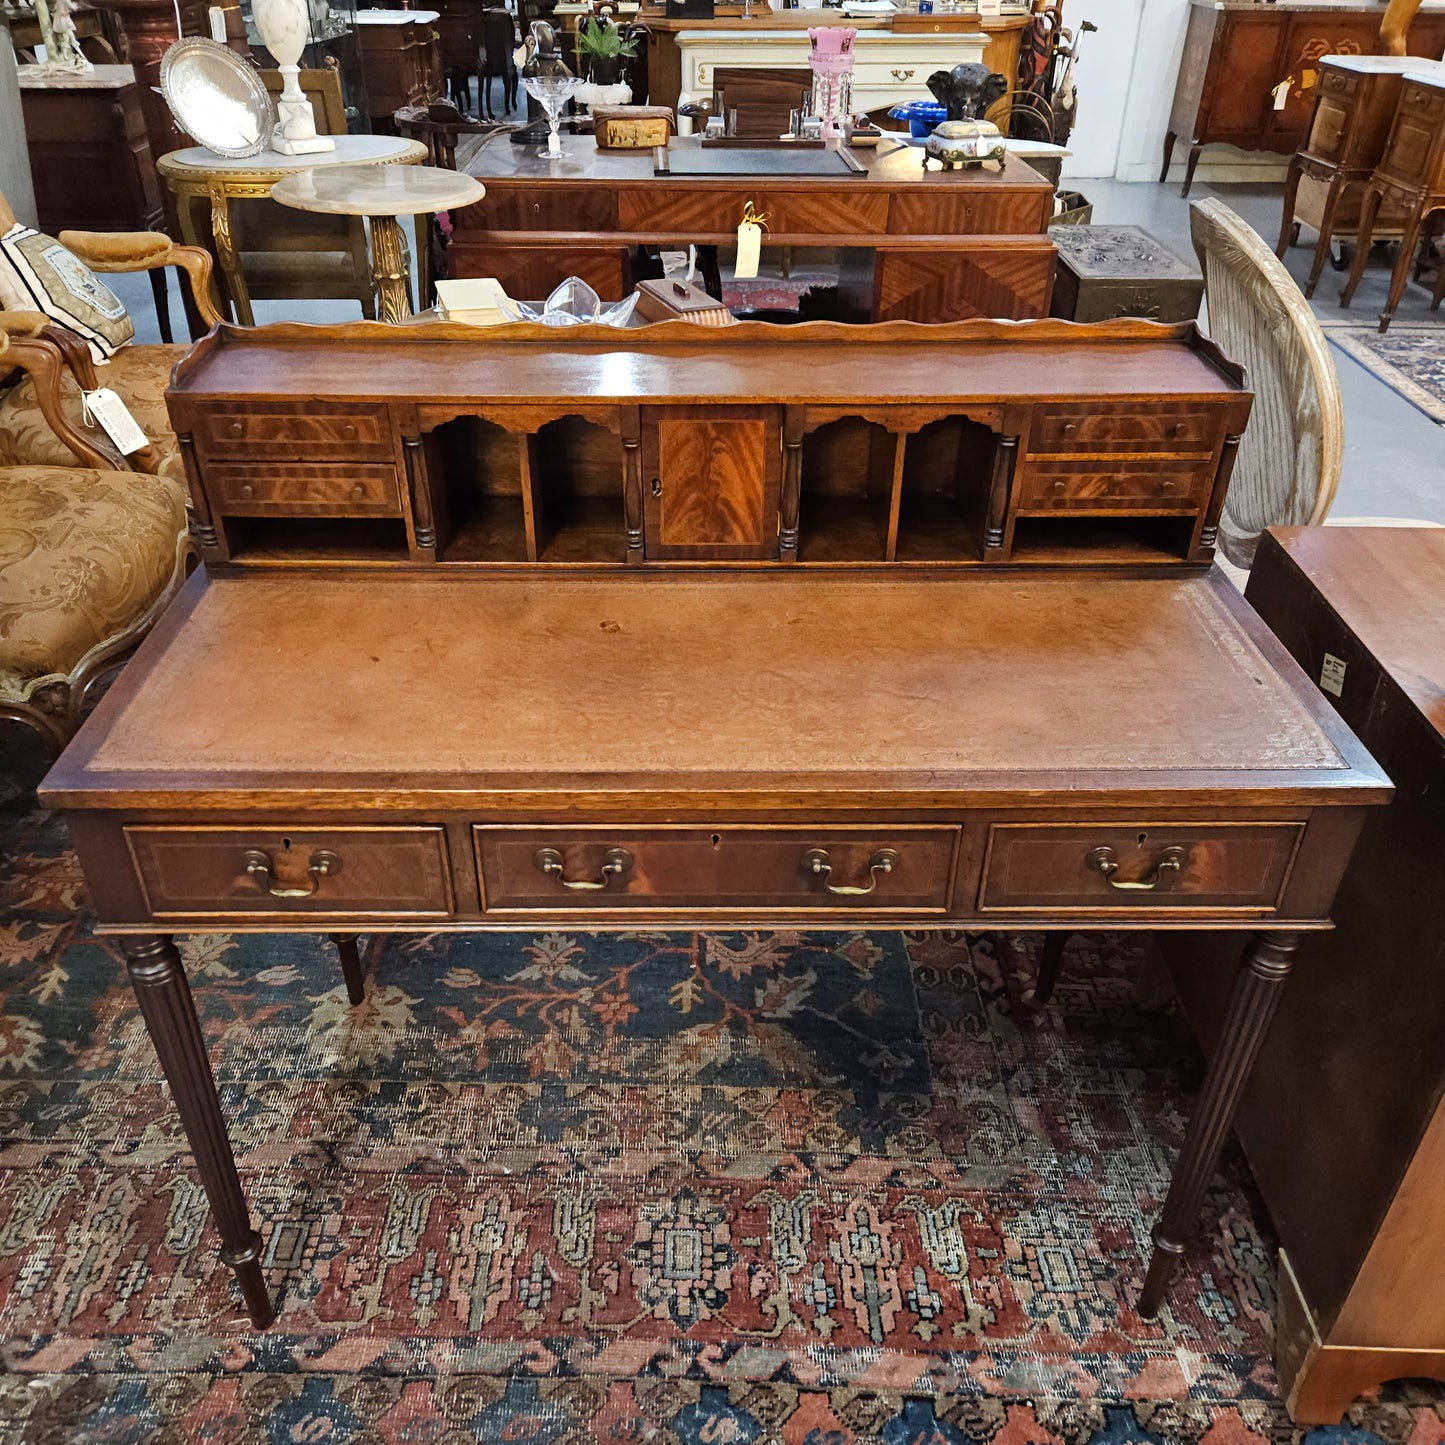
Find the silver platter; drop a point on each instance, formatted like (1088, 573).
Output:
(216, 98)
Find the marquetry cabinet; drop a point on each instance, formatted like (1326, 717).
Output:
(1249, 73)
(977, 442)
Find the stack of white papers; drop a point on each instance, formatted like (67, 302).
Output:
(475, 301)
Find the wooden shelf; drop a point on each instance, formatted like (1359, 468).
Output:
(933, 529)
(839, 529)
(495, 531)
(1101, 541)
(316, 539)
(586, 529)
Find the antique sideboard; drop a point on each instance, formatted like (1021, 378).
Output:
(1249, 74)
(763, 628)
(918, 245)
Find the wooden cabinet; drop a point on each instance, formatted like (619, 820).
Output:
(1345, 1124)
(1250, 73)
(401, 60)
(979, 442)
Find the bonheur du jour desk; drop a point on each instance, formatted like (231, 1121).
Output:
(918, 245)
(323, 745)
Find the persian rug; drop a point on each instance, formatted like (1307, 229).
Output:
(772, 293)
(1408, 359)
(794, 1188)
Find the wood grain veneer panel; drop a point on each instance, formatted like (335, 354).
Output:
(747, 677)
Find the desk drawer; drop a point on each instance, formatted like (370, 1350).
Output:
(1124, 427)
(370, 871)
(304, 489)
(287, 429)
(598, 869)
(1102, 867)
(1130, 484)
(668, 208)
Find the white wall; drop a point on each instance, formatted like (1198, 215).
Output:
(14, 159)
(1125, 80)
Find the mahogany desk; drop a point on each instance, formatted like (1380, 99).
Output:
(918, 246)
(339, 751)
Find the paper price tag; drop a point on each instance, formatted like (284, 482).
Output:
(1281, 93)
(217, 19)
(1332, 675)
(750, 248)
(113, 416)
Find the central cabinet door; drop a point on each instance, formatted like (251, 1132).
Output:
(711, 477)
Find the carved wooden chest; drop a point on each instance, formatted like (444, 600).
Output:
(1106, 272)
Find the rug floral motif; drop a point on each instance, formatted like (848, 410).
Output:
(811, 1188)
(1408, 359)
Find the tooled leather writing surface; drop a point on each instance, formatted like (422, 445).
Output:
(746, 675)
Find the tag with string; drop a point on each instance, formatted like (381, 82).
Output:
(750, 242)
(105, 409)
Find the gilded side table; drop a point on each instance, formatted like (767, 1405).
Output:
(382, 194)
(197, 174)
(1411, 173)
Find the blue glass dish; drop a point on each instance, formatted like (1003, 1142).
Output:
(921, 115)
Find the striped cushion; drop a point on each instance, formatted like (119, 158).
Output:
(37, 273)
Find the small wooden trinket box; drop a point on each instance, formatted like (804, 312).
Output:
(631, 127)
(669, 300)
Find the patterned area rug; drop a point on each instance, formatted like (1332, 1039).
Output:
(801, 1188)
(772, 293)
(1408, 359)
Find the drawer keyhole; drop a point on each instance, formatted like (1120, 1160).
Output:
(717, 840)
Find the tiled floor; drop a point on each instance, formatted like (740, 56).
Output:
(1394, 453)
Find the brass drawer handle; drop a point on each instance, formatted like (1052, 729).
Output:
(815, 861)
(1169, 862)
(324, 864)
(615, 862)
(901, 75)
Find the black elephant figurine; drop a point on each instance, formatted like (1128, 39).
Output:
(967, 90)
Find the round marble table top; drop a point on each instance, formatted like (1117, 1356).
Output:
(377, 190)
(351, 150)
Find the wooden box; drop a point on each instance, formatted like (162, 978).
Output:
(631, 127)
(1108, 272)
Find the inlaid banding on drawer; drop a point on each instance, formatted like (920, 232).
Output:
(1126, 484)
(703, 868)
(1152, 427)
(699, 210)
(211, 872)
(285, 429)
(305, 489)
(1106, 867)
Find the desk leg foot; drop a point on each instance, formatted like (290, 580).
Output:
(1256, 996)
(159, 980)
(350, 965)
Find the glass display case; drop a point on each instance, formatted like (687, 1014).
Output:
(331, 45)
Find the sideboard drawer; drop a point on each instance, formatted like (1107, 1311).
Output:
(1125, 427)
(215, 871)
(526, 869)
(304, 489)
(291, 429)
(669, 208)
(1034, 867)
(1128, 484)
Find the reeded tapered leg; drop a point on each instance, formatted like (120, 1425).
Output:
(350, 965)
(1256, 996)
(1051, 960)
(159, 980)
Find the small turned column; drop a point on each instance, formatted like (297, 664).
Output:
(164, 995)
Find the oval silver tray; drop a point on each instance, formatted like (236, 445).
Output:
(216, 98)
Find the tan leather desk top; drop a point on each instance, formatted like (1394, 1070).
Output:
(940, 684)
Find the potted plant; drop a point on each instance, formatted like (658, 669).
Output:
(602, 48)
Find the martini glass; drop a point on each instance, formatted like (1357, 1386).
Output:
(552, 92)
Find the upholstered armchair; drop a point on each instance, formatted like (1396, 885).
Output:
(40, 416)
(89, 558)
